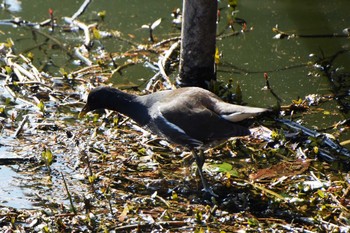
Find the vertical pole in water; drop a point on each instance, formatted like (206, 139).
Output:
(198, 37)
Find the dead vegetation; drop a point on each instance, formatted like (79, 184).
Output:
(105, 174)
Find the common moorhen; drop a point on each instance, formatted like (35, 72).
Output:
(191, 117)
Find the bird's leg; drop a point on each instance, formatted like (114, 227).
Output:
(200, 161)
(201, 158)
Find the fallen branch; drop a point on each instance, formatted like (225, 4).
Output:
(81, 9)
(20, 127)
(81, 57)
(178, 38)
(12, 161)
(324, 140)
(162, 61)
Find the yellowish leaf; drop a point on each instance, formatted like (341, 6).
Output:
(96, 33)
(217, 56)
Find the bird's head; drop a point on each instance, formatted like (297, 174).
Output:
(98, 98)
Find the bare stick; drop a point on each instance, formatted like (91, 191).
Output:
(162, 62)
(81, 9)
(20, 127)
(164, 75)
(81, 57)
(68, 193)
(152, 81)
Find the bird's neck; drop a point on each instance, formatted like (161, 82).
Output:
(128, 105)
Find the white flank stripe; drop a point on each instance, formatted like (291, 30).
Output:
(173, 126)
(238, 116)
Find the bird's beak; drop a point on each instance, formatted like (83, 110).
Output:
(83, 111)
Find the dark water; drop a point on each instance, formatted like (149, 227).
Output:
(245, 57)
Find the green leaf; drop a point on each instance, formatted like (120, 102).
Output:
(217, 56)
(174, 196)
(96, 33)
(225, 168)
(47, 156)
(92, 179)
(9, 43)
(46, 229)
(102, 14)
(232, 3)
(142, 151)
(63, 72)
(30, 55)
(8, 69)
(7, 101)
(321, 193)
(199, 216)
(95, 118)
(253, 222)
(41, 106)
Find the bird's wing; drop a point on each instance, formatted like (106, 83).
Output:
(236, 113)
(169, 129)
(198, 122)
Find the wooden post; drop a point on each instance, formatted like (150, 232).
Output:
(198, 43)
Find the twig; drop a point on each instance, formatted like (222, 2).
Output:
(33, 70)
(334, 226)
(20, 127)
(72, 103)
(164, 75)
(344, 143)
(119, 68)
(340, 205)
(163, 200)
(169, 52)
(267, 191)
(81, 9)
(81, 57)
(68, 193)
(75, 79)
(83, 27)
(86, 69)
(13, 94)
(268, 87)
(88, 163)
(152, 81)
(9, 90)
(33, 82)
(166, 41)
(18, 68)
(324, 140)
(162, 61)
